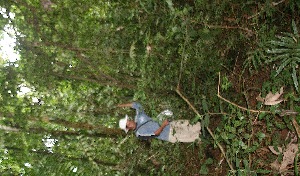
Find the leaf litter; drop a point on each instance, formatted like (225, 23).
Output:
(271, 99)
(288, 156)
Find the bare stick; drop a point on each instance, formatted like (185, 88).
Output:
(274, 4)
(229, 27)
(296, 126)
(208, 129)
(236, 105)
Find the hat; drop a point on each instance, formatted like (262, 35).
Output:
(123, 123)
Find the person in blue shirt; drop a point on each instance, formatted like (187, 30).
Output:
(145, 128)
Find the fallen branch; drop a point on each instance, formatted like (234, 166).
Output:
(208, 129)
(229, 27)
(274, 4)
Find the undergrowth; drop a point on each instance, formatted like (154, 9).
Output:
(193, 48)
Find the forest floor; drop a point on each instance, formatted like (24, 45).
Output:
(194, 160)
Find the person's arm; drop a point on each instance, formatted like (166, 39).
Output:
(135, 105)
(161, 128)
(125, 105)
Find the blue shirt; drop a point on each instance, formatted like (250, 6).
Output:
(145, 126)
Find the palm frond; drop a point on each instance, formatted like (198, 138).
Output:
(295, 79)
(284, 51)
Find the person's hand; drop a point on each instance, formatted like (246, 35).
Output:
(165, 123)
(161, 128)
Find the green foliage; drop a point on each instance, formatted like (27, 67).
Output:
(284, 51)
(204, 169)
(255, 60)
(226, 84)
(81, 59)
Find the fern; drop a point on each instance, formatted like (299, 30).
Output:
(255, 60)
(285, 51)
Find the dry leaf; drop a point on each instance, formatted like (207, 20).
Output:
(288, 156)
(148, 49)
(275, 165)
(274, 151)
(271, 99)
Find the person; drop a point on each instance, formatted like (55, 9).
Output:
(145, 128)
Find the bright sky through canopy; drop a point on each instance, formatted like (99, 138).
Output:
(7, 44)
(8, 40)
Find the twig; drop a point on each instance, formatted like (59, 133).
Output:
(184, 58)
(208, 129)
(229, 27)
(295, 124)
(274, 4)
(234, 104)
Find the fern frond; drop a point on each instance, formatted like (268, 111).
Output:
(285, 39)
(277, 50)
(254, 60)
(275, 43)
(282, 66)
(295, 30)
(287, 34)
(285, 51)
(295, 79)
(276, 58)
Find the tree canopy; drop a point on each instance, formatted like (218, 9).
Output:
(206, 61)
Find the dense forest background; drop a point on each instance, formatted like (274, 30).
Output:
(208, 61)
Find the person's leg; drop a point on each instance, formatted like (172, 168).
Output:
(183, 131)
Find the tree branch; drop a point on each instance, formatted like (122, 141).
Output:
(250, 32)
(208, 129)
(7, 128)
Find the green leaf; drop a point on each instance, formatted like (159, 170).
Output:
(277, 51)
(263, 171)
(237, 163)
(254, 63)
(277, 57)
(204, 170)
(246, 164)
(170, 4)
(260, 136)
(298, 119)
(262, 115)
(196, 119)
(280, 43)
(204, 105)
(295, 79)
(209, 161)
(295, 30)
(282, 66)
(206, 120)
(286, 39)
